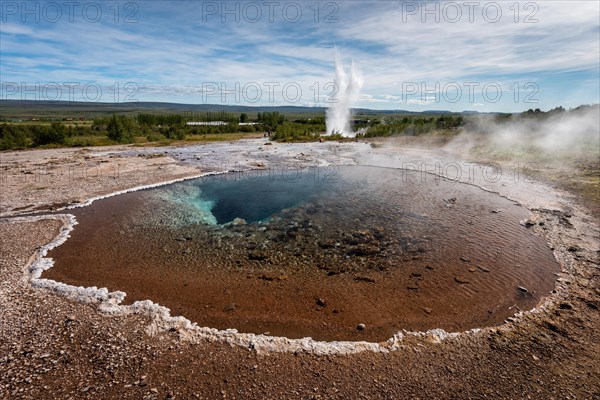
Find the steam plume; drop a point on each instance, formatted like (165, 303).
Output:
(348, 86)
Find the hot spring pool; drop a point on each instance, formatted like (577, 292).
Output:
(314, 252)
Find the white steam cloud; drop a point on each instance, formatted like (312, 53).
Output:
(558, 132)
(348, 87)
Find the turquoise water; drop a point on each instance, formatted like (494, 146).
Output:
(251, 196)
(378, 244)
(256, 198)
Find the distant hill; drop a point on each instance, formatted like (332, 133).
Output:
(26, 109)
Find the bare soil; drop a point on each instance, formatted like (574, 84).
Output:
(53, 347)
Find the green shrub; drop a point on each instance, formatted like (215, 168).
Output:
(154, 137)
(120, 129)
(56, 133)
(13, 137)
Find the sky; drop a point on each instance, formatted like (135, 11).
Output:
(487, 56)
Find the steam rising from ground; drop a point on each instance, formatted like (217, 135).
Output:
(348, 87)
(553, 134)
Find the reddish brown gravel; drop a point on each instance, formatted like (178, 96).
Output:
(51, 347)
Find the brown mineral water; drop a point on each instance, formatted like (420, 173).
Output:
(314, 252)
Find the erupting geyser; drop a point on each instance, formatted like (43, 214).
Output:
(347, 89)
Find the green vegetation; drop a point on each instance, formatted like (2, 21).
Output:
(56, 133)
(118, 128)
(13, 137)
(311, 129)
(155, 120)
(413, 126)
(65, 124)
(300, 130)
(270, 120)
(163, 128)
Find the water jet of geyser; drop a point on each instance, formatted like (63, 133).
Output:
(348, 87)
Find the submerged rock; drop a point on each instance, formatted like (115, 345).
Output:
(363, 251)
(364, 279)
(257, 255)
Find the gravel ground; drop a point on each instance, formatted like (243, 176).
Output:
(54, 347)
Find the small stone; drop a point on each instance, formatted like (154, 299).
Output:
(465, 259)
(565, 306)
(412, 286)
(483, 269)
(427, 310)
(461, 279)
(473, 269)
(321, 302)
(523, 289)
(257, 255)
(527, 222)
(361, 327)
(154, 390)
(415, 274)
(239, 221)
(229, 307)
(535, 358)
(364, 279)
(326, 244)
(496, 211)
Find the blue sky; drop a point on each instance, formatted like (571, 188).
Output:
(494, 56)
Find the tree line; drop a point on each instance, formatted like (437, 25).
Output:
(412, 126)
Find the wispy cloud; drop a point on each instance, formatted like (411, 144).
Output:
(171, 51)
